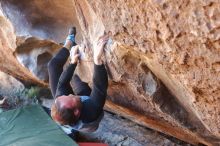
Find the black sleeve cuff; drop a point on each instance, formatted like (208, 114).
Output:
(101, 67)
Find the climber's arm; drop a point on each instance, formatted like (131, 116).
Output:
(55, 68)
(100, 85)
(100, 78)
(64, 87)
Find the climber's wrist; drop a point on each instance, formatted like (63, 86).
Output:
(73, 61)
(98, 61)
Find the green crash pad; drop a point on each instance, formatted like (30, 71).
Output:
(31, 126)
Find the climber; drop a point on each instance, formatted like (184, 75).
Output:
(78, 106)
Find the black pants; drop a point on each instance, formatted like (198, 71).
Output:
(55, 69)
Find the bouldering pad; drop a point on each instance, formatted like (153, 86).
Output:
(31, 126)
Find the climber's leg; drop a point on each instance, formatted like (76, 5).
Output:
(55, 68)
(55, 65)
(80, 87)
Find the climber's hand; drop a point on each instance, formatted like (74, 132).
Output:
(74, 54)
(98, 49)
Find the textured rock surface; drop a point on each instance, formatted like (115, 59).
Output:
(44, 19)
(117, 131)
(8, 62)
(35, 53)
(163, 58)
(9, 84)
(178, 41)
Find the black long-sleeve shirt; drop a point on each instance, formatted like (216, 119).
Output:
(93, 107)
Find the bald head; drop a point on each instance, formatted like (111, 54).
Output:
(66, 109)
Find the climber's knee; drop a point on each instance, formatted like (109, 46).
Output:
(52, 63)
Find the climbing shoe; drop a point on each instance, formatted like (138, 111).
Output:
(71, 35)
(72, 31)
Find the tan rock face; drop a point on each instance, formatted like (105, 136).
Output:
(9, 84)
(35, 53)
(44, 19)
(163, 57)
(8, 63)
(179, 43)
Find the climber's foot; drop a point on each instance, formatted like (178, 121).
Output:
(70, 40)
(72, 31)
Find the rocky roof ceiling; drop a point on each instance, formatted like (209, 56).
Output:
(163, 58)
